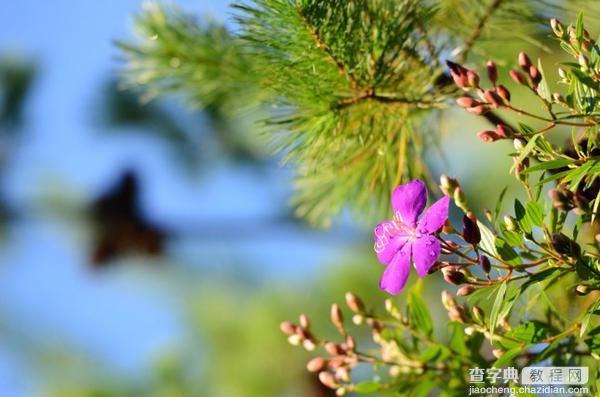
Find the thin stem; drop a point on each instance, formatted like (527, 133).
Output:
(478, 30)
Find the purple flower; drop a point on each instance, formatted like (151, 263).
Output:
(405, 236)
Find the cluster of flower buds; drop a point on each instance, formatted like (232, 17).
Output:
(453, 274)
(565, 200)
(579, 45)
(334, 370)
(456, 312)
(502, 132)
(564, 245)
(468, 80)
(451, 188)
(570, 34)
(299, 334)
(534, 76)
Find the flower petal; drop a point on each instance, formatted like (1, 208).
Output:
(435, 216)
(425, 251)
(388, 241)
(396, 273)
(408, 201)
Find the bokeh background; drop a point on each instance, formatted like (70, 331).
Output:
(149, 250)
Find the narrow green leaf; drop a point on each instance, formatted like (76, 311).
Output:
(543, 89)
(594, 309)
(500, 294)
(521, 216)
(367, 387)
(528, 148)
(535, 213)
(550, 165)
(487, 239)
(420, 316)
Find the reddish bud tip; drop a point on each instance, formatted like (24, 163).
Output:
(503, 92)
(337, 317)
(488, 136)
(517, 77)
(524, 61)
(466, 290)
(493, 98)
(316, 364)
(535, 75)
(504, 131)
(473, 79)
(354, 303)
(467, 102)
(287, 328)
(492, 72)
(328, 380)
(484, 261)
(478, 110)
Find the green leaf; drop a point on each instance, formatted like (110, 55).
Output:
(500, 294)
(550, 165)
(367, 387)
(508, 357)
(535, 213)
(521, 216)
(422, 389)
(487, 239)
(543, 89)
(579, 28)
(507, 252)
(419, 314)
(513, 238)
(539, 277)
(431, 353)
(530, 332)
(593, 310)
(528, 148)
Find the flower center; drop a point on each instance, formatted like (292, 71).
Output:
(408, 230)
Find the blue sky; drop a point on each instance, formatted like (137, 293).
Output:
(49, 294)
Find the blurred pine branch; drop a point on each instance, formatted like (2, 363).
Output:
(349, 87)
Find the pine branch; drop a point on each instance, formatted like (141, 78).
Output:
(347, 84)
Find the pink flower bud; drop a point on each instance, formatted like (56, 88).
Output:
(503, 92)
(304, 321)
(470, 231)
(316, 364)
(504, 131)
(337, 317)
(486, 266)
(350, 342)
(557, 27)
(448, 300)
(453, 277)
(287, 328)
(473, 79)
(492, 72)
(518, 77)
(332, 348)
(493, 98)
(478, 314)
(524, 61)
(488, 136)
(478, 110)
(467, 102)
(466, 290)
(328, 380)
(535, 75)
(354, 303)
